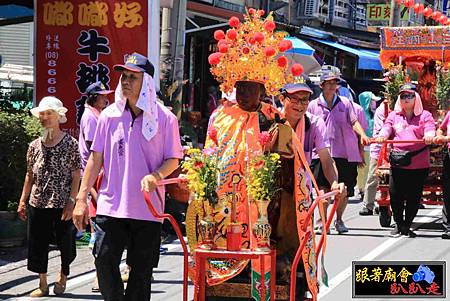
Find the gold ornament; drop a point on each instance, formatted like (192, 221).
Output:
(251, 51)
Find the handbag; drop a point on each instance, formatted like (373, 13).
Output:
(403, 158)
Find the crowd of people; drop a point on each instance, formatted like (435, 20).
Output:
(135, 142)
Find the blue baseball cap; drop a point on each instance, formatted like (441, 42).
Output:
(408, 87)
(330, 75)
(292, 88)
(97, 88)
(137, 63)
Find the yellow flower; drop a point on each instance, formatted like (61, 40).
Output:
(193, 151)
(275, 156)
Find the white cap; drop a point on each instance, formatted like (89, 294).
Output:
(51, 103)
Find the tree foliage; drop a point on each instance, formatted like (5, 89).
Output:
(17, 130)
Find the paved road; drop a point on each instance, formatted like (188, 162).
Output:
(365, 241)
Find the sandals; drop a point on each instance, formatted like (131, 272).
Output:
(39, 292)
(59, 288)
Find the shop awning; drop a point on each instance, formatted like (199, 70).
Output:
(367, 59)
(15, 14)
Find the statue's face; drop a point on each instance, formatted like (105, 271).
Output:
(248, 95)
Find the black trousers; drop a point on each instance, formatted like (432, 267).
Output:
(43, 225)
(446, 188)
(142, 239)
(347, 174)
(405, 190)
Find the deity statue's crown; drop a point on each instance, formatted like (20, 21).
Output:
(252, 51)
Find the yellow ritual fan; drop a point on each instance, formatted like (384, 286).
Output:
(252, 51)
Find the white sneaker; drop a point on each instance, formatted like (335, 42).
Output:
(340, 227)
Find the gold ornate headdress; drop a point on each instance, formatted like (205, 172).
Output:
(251, 51)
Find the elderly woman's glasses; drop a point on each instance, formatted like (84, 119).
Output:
(407, 96)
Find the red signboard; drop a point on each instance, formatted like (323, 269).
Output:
(416, 43)
(79, 41)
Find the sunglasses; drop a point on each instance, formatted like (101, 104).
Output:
(408, 96)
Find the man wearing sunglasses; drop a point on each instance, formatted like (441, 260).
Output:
(342, 129)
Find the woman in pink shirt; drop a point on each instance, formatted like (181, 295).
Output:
(443, 136)
(408, 121)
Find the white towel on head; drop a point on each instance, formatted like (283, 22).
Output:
(418, 107)
(146, 102)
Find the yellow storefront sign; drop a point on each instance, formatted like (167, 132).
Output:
(382, 12)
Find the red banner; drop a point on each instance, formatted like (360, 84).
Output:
(417, 43)
(79, 41)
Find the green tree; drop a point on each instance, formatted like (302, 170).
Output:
(17, 130)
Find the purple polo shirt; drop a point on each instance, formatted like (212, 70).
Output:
(378, 121)
(339, 120)
(128, 157)
(398, 127)
(315, 136)
(445, 126)
(88, 125)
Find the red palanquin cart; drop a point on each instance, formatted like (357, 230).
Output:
(421, 52)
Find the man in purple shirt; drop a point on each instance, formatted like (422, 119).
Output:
(295, 98)
(342, 128)
(137, 142)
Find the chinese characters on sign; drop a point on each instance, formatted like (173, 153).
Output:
(78, 42)
(58, 13)
(417, 37)
(382, 12)
(94, 14)
(387, 279)
(51, 57)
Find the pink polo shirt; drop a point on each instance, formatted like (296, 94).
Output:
(445, 126)
(128, 157)
(339, 120)
(397, 127)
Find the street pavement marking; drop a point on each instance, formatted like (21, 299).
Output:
(342, 276)
(89, 277)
